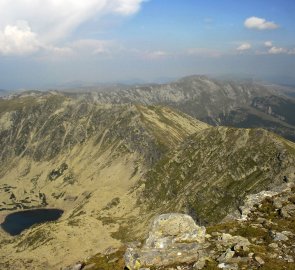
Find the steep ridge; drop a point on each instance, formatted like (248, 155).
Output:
(81, 157)
(210, 174)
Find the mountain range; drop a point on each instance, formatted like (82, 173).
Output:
(114, 159)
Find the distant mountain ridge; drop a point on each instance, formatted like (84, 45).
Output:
(216, 102)
(3, 92)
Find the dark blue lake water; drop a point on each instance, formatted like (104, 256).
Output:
(17, 222)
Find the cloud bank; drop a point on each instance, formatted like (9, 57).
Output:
(277, 50)
(272, 49)
(29, 25)
(268, 44)
(244, 47)
(260, 24)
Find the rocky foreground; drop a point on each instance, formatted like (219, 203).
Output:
(263, 238)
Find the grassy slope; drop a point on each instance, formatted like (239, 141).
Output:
(212, 171)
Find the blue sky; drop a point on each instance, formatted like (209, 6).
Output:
(47, 43)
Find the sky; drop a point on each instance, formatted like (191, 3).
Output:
(53, 43)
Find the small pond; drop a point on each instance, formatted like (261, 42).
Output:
(17, 222)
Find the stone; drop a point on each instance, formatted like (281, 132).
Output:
(238, 242)
(261, 220)
(131, 259)
(259, 260)
(289, 258)
(174, 228)
(89, 266)
(200, 264)
(277, 236)
(254, 199)
(173, 239)
(278, 202)
(288, 233)
(273, 245)
(228, 266)
(226, 256)
(288, 211)
(273, 255)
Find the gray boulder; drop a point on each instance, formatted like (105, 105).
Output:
(173, 228)
(288, 211)
(173, 239)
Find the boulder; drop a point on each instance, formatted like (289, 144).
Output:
(278, 236)
(168, 229)
(235, 242)
(173, 239)
(288, 211)
(252, 200)
(226, 256)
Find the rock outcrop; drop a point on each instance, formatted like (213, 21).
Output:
(175, 241)
(174, 238)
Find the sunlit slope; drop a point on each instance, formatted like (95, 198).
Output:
(210, 174)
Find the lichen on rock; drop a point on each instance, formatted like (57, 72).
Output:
(174, 238)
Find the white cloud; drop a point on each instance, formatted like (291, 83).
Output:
(244, 47)
(272, 49)
(18, 39)
(78, 48)
(277, 50)
(126, 7)
(50, 22)
(260, 24)
(268, 44)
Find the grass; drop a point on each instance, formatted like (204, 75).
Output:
(112, 261)
(34, 240)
